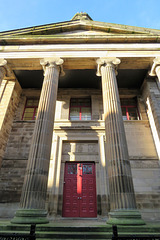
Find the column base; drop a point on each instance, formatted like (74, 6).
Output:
(30, 216)
(125, 217)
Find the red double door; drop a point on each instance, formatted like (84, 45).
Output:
(79, 196)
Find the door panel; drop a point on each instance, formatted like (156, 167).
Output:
(88, 206)
(79, 198)
(70, 194)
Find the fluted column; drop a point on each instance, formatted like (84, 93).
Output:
(155, 70)
(34, 190)
(122, 196)
(3, 71)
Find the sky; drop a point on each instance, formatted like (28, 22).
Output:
(15, 14)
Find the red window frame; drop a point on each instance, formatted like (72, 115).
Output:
(30, 106)
(80, 109)
(127, 113)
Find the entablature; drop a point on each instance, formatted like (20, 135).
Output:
(80, 56)
(132, 61)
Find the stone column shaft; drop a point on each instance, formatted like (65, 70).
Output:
(119, 170)
(36, 177)
(35, 183)
(121, 189)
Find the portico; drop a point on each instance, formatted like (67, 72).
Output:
(32, 205)
(96, 138)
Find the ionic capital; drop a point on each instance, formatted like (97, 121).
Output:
(155, 66)
(54, 63)
(3, 62)
(113, 62)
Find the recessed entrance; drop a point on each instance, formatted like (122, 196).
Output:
(79, 196)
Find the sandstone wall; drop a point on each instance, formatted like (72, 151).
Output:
(146, 175)
(10, 91)
(142, 152)
(151, 98)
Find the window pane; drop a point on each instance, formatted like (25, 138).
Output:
(85, 113)
(128, 101)
(32, 102)
(28, 115)
(35, 102)
(35, 113)
(75, 102)
(124, 113)
(29, 110)
(85, 102)
(133, 115)
(87, 169)
(80, 109)
(80, 102)
(29, 102)
(72, 169)
(74, 113)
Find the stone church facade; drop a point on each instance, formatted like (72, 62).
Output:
(80, 122)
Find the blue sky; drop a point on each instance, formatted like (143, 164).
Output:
(16, 14)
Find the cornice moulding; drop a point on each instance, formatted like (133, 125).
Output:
(83, 47)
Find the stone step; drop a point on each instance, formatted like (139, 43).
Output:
(68, 235)
(55, 228)
(81, 235)
(55, 231)
(51, 228)
(75, 235)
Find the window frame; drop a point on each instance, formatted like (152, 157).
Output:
(127, 113)
(33, 107)
(80, 109)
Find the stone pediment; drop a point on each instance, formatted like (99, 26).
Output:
(80, 27)
(84, 33)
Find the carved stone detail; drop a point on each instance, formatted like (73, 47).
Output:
(106, 61)
(53, 62)
(3, 70)
(155, 70)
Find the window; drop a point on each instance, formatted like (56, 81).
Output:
(80, 109)
(30, 110)
(72, 168)
(87, 168)
(129, 109)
